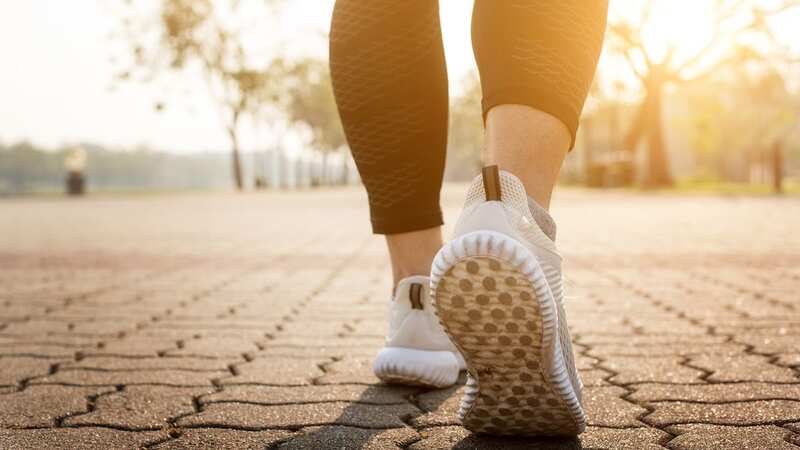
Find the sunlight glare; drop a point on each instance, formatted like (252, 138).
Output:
(684, 25)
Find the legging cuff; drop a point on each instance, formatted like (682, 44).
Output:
(538, 98)
(396, 222)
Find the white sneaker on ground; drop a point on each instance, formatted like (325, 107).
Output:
(417, 351)
(498, 292)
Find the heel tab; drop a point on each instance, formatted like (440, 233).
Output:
(415, 295)
(491, 183)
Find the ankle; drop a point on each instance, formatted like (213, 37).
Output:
(528, 143)
(412, 253)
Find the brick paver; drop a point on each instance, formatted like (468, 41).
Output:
(249, 321)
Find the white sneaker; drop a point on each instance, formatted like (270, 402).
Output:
(498, 292)
(417, 351)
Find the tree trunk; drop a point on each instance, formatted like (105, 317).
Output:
(777, 168)
(658, 170)
(324, 181)
(588, 154)
(235, 159)
(614, 142)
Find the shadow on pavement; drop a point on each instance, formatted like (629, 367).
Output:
(478, 442)
(368, 424)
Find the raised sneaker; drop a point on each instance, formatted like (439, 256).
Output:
(498, 292)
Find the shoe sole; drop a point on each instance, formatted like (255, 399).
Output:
(412, 367)
(492, 299)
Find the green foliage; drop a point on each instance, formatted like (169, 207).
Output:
(308, 98)
(181, 20)
(734, 26)
(737, 116)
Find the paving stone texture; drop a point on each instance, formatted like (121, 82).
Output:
(249, 321)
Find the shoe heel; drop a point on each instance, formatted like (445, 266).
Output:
(412, 367)
(494, 303)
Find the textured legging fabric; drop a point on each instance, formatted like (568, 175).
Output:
(390, 82)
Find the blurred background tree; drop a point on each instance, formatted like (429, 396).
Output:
(465, 136)
(206, 36)
(738, 120)
(309, 100)
(740, 31)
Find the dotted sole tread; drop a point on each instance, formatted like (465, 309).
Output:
(491, 311)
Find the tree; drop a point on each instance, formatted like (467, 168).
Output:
(737, 26)
(738, 118)
(204, 36)
(465, 137)
(308, 99)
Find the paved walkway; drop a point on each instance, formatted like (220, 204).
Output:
(249, 321)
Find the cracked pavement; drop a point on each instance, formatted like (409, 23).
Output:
(249, 321)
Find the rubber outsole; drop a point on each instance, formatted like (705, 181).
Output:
(412, 367)
(493, 301)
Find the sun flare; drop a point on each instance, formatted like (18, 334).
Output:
(683, 26)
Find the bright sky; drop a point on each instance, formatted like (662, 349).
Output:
(55, 82)
(56, 77)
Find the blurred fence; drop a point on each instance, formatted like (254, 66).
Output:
(25, 169)
(309, 169)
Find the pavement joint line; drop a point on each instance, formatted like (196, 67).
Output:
(648, 409)
(288, 427)
(111, 427)
(309, 402)
(323, 367)
(125, 384)
(686, 361)
(121, 356)
(136, 369)
(755, 293)
(166, 439)
(666, 441)
(727, 402)
(777, 423)
(91, 405)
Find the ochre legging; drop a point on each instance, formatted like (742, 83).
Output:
(389, 77)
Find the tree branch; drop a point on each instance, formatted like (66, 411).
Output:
(632, 64)
(630, 44)
(757, 23)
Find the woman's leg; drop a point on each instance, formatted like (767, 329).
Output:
(390, 81)
(536, 60)
(498, 284)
